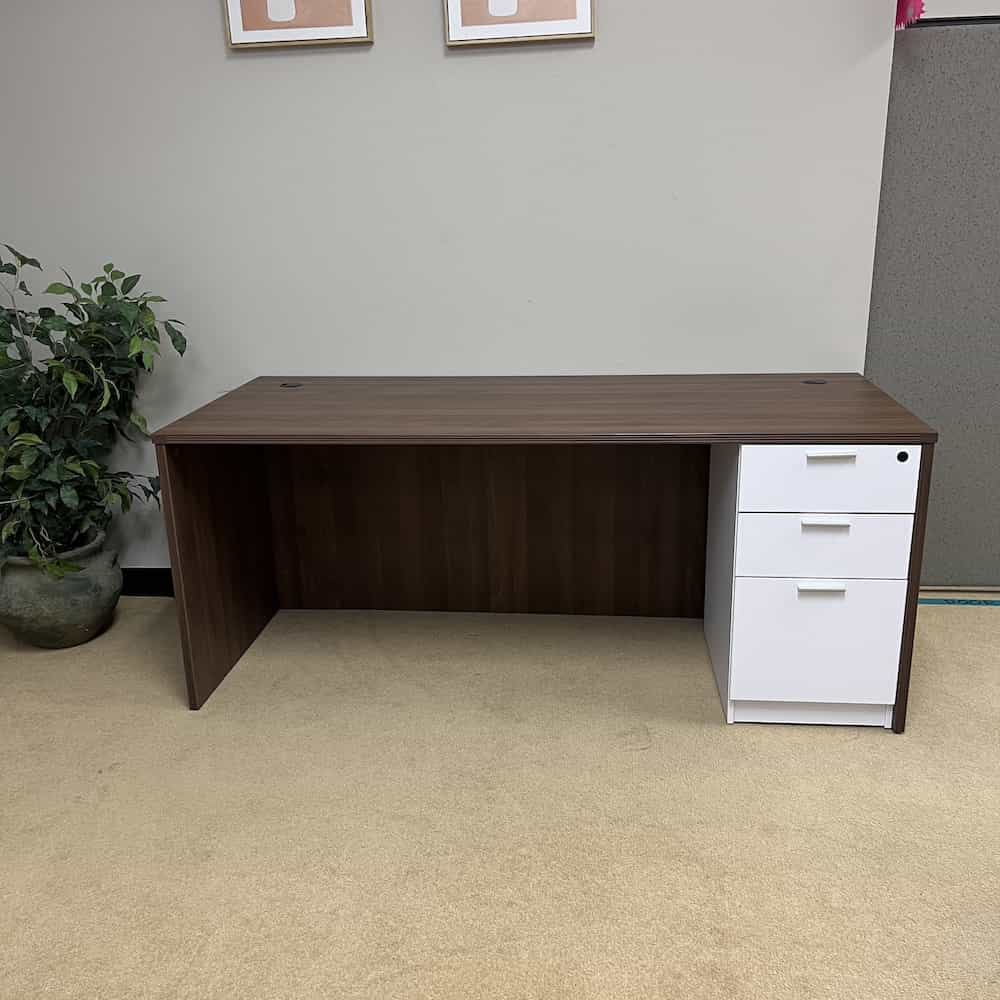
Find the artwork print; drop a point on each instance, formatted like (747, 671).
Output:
(470, 22)
(255, 23)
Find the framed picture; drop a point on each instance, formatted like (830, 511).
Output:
(484, 22)
(257, 23)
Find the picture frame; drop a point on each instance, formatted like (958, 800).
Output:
(498, 22)
(960, 10)
(256, 24)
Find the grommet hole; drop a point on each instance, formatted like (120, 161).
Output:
(291, 385)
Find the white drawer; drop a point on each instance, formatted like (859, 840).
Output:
(869, 478)
(824, 545)
(816, 640)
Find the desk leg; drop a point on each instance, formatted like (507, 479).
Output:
(215, 499)
(913, 590)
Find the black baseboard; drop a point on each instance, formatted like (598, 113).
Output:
(147, 582)
(954, 22)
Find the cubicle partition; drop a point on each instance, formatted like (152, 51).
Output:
(934, 332)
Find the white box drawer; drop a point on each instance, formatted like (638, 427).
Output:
(824, 545)
(869, 478)
(816, 640)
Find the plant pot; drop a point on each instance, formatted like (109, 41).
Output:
(57, 613)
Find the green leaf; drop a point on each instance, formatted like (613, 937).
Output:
(108, 291)
(28, 457)
(27, 439)
(51, 472)
(57, 568)
(58, 288)
(23, 259)
(129, 283)
(69, 380)
(130, 310)
(108, 268)
(140, 421)
(87, 287)
(18, 472)
(117, 275)
(69, 496)
(154, 298)
(74, 465)
(134, 346)
(176, 337)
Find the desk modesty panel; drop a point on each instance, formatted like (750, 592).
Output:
(683, 496)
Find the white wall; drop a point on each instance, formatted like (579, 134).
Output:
(695, 192)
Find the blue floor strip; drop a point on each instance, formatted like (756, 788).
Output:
(963, 601)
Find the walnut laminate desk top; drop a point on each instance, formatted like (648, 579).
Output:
(749, 409)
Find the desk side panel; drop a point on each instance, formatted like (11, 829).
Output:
(720, 564)
(913, 589)
(217, 509)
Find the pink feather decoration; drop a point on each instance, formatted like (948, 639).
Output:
(908, 11)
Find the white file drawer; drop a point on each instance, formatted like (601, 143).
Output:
(816, 640)
(875, 478)
(824, 545)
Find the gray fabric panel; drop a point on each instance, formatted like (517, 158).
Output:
(934, 332)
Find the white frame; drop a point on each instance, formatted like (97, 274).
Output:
(938, 10)
(579, 27)
(359, 31)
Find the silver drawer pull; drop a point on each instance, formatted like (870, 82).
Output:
(821, 587)
(826, 522)
(831, 456)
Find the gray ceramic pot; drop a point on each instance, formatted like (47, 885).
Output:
(57, 613)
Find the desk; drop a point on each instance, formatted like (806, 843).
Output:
(563, 495)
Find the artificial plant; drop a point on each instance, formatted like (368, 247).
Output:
(68, 382)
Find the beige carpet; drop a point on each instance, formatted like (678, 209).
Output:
(423, 806)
